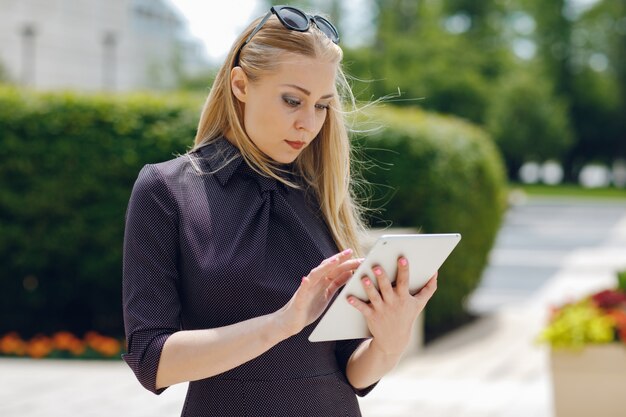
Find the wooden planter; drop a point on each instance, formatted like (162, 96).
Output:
(590, 382)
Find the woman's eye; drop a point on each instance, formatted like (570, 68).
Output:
(322, 106)
(291, 101)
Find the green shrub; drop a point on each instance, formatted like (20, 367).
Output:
(67, 165)
(438, 174)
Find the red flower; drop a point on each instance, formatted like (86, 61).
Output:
(609, 299)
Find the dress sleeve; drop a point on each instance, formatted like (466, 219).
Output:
(343, 351)
(151, 303)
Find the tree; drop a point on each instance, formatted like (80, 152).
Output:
(527, 121)
(442, 66)
(583, 55)
(599, 90)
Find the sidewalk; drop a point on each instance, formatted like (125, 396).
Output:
(490, 368)
(493, 367)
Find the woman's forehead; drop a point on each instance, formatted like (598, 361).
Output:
(312, 74)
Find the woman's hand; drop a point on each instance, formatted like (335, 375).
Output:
(316, 291)
(391, 311)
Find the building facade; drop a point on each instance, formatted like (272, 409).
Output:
(96, 45)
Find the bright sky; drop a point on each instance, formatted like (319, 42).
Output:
(217, 24)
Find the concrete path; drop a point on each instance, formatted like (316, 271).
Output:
(489, 368)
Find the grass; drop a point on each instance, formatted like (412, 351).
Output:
(569, 190)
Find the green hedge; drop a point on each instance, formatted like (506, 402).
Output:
(437, 174)
(68, 163)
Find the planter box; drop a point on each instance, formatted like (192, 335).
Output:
(590, 382)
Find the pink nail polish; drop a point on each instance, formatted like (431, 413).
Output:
(378, 271)
(367, 282)
(403, 262)
(347, 252)
(351, 300)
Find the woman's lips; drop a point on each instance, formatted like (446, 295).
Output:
(296, 145)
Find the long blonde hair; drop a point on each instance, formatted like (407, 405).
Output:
(325, 164)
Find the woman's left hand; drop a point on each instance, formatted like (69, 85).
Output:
(392, 310)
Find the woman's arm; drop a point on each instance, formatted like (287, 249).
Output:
(390, 315)
(190, 355)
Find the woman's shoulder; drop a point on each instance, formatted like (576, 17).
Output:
(170, 176)
(170, 168)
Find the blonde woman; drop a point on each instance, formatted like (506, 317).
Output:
(233, 250)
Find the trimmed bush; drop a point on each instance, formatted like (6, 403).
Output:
(438, 174)
(68, 163)
(67, 166)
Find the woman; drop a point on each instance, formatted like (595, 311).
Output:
(233, 250)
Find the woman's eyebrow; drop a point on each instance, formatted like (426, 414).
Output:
(305, 91)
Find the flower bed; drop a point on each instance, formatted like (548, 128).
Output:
(62, 345)
(588, 354)
(598, 318)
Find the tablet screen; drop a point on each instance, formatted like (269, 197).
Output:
(425, 253)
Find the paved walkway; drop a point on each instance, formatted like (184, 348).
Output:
(488, 368)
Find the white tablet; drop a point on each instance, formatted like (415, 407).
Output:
(425, 253)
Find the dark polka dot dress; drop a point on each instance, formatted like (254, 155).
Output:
(212, 248)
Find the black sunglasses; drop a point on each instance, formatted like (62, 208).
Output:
(295, 19)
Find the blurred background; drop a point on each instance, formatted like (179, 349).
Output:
(545, 78)
(485, 101)
(504, 120)
(94, 89)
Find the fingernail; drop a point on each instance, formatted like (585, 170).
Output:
(378, 271)
(347, 252)
(403, 262)
(351, 300)
(367, 282)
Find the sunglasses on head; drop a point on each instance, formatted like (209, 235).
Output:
(295, 19)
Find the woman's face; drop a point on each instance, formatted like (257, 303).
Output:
(284, 110)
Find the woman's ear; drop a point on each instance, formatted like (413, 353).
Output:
(239, 83)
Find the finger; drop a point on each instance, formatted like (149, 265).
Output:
(304, 289)
(347, 266)
(329, 264)
(360, 305)
(429, 289)
(384, 284)
(341, 280)
(372, 293)
(402, 278)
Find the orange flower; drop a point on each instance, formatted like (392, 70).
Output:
(39, 347)
(64, 340)
(12, 344)
(77, 347)
(619, 316)
(104, 345)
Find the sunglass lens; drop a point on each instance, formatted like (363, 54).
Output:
(294, 19)
(327, 27)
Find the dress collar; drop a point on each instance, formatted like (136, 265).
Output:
(224, 159)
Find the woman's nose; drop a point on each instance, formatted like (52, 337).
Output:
(306, 120)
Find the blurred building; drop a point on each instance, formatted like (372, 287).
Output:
(111, 45)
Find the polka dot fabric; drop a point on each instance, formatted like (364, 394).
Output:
(212, 243)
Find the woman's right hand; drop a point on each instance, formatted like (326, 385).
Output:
(316, 291)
